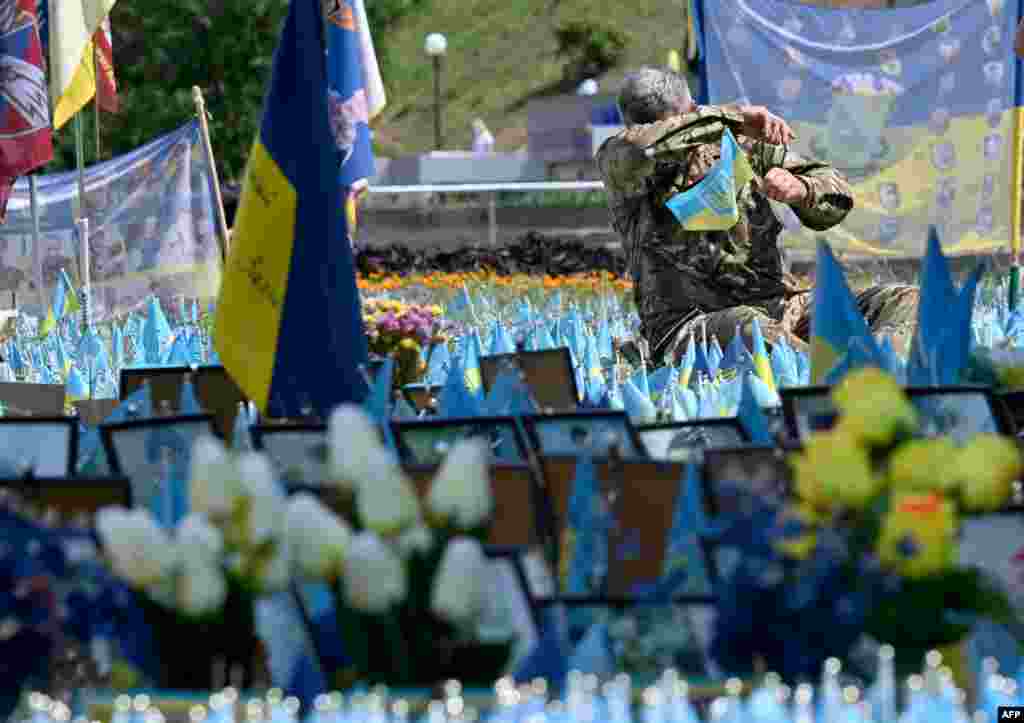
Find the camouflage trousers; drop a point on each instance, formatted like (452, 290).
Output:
(889, 309)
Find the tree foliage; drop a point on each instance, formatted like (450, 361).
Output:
(161, 50)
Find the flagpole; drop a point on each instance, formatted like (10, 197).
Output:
(1015, 209)
(83, 227)
(204, 131)
(33, 201)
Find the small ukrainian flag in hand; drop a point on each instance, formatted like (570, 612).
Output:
(710, 205)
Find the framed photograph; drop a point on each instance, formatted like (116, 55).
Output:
(426, 441)
(683, 441)
(807, 409)
(637, 505)
(21, 399)
(995, 543)
(549, 375)
(731, 473)
(71, 498)
(960, 412)
(41, 446)
(215, 390)
(94, 412)
(140, 449)
(595, 431)
(421, 396)
(298, 451)
(1013, 407)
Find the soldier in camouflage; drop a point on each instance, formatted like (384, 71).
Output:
(719, 281)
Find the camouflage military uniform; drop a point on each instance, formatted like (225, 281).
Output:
(720, 280)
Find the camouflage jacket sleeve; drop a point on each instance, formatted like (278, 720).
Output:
(829, 197)
(627, 159)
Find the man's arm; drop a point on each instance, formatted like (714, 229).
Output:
(828, 199)
(626, 159)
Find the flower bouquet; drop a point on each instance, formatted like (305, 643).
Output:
(408, 576)
(197, 584)
(869, 546)
(403, 330)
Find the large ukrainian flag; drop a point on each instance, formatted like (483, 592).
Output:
(288, 325)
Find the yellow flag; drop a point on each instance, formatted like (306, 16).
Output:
(72, 70)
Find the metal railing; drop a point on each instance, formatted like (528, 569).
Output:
(491, 190)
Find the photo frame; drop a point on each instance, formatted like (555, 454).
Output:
(22, 399)
(807, 409)
(642, 504)
(683, 441)
(573, 432)
(298, 451)
(760, 471)
(70, 497)
(995, 544)
(216, 391)
(1013, 407)
(46, 445)
(960, 411)
(421, 396)
(94, 412)
(136, 450)
(425, 441)
(548, 373)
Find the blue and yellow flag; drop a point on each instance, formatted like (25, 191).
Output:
(710, 205)
(837, 325)
(288, 326)
(65, 302)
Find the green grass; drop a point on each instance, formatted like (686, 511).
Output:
(500, 55)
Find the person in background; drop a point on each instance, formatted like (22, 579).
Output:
(483, 139)
(685, 280)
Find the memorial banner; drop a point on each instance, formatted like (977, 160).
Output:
(152, 230)
(917, 106)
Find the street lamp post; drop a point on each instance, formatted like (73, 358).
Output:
(435, 46)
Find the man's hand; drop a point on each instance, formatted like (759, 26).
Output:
(762, 124)
(781, 185)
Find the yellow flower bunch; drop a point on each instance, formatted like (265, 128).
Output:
(870, 453)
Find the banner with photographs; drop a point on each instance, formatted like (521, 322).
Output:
(917, 106)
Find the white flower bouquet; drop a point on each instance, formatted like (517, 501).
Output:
(197, 584)
(408, 569)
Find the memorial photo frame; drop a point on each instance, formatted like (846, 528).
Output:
(47, 446)
(421, 396)
(216, 392)
(1013, 406)
(807, 409)
(23, 399)
(298, 451)
(548, 373)
(960, 412)
(684, 441)
(593, 430)
(760, 471)
(71, 497)
(640, 496)
(136, 449)
(426, 441)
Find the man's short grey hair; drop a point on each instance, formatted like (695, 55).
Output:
(651, 94)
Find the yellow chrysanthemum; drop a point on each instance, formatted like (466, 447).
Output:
(924, 465)
(918, 536)
(986, 468)
(834, 470)
(873, 407)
